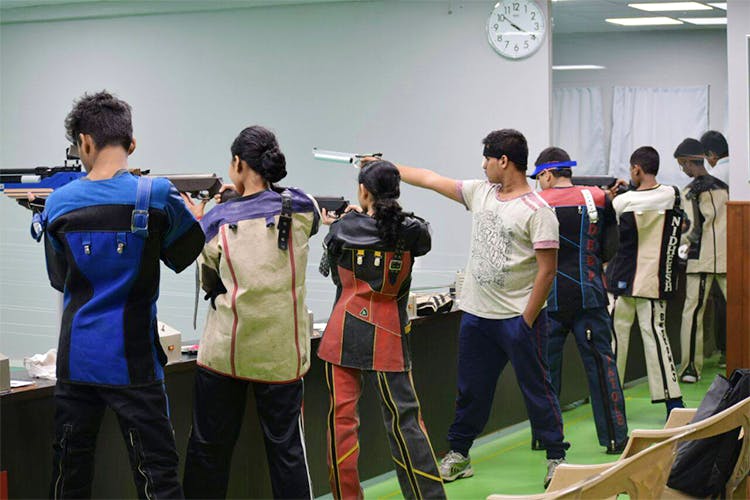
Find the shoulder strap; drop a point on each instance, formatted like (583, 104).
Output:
(285, 219)
(397, 261)
(590, 205)
(677, 199)
(139, 218)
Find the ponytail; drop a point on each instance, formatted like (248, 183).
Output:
(388, 217)
(382, 180)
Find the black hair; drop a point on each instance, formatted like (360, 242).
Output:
(554, 154)
(647, 158)
(104, 117)
(716, 142)
(508, 142)
(690, 149)
(382, 180)
(561, 172)
(258, 147)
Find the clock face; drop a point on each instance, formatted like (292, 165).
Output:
(516, 28)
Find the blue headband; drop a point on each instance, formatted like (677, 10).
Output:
(553, 164)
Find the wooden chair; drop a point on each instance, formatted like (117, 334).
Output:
(636, 475)
(608, 480)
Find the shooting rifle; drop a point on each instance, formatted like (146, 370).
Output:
(16, 183)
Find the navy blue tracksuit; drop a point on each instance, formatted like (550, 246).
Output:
(486, 346)
(578, 304)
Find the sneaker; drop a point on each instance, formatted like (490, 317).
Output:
(690, 375)
(722, 359)
(552, 464)
(689, 378)
(455, 466)
(616, 449)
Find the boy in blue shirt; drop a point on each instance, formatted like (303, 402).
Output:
(104, 236)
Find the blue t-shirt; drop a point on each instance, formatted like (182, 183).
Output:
(110, 276)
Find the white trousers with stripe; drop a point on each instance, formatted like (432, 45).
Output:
(691, 335)
(652, 316)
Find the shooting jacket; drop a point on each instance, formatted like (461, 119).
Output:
(706, 205)
(258, 326)
(369, 325)
(646, 264)
(109, 273)
(588, 237)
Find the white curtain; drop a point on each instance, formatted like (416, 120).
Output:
(658, 117)
(578, 127)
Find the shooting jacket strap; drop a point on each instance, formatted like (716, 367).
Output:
(394, 267)
(285, 219)
(590, 205)
(139, 219)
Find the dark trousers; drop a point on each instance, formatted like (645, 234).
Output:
(416, 466)
(592, 330)
(144, 421)
(217, 418)
(485, 347)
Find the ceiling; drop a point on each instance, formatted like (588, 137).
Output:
(569, 16)
(587, 16)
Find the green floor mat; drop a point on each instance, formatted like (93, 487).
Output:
(504, 463)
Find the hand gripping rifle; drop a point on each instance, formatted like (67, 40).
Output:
(602, 181)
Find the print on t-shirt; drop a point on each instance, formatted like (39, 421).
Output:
(492, 245)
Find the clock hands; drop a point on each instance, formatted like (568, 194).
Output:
(513, 24)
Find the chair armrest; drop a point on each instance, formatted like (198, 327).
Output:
(569, 474)
(537, 496)
(679, 417)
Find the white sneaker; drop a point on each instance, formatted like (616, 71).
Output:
(689, 379)
(552, 464)
(455, 466)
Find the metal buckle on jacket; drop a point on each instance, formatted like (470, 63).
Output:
(139, 221)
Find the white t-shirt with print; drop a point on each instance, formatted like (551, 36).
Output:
(504, 236)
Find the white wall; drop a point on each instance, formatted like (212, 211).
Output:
(413, 79)
(738, 136)
(647, 59)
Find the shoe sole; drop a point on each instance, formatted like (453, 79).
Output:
(461, 475)
(689, 380)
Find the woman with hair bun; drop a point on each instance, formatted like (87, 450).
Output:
(370, 256)
(253, 271)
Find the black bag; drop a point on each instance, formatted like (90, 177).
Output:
(703, 467)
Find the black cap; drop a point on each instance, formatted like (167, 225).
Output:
(691, 148)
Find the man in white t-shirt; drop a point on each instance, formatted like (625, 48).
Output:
(716, 149)
(511, 268)
(643, 273)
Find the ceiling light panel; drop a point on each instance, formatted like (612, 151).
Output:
(705, 21)
(643, 21)
(574, 67)
(719, 5)
(669, 6)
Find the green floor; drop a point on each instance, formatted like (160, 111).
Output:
(504, 463)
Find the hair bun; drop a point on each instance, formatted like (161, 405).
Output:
(273, 164)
